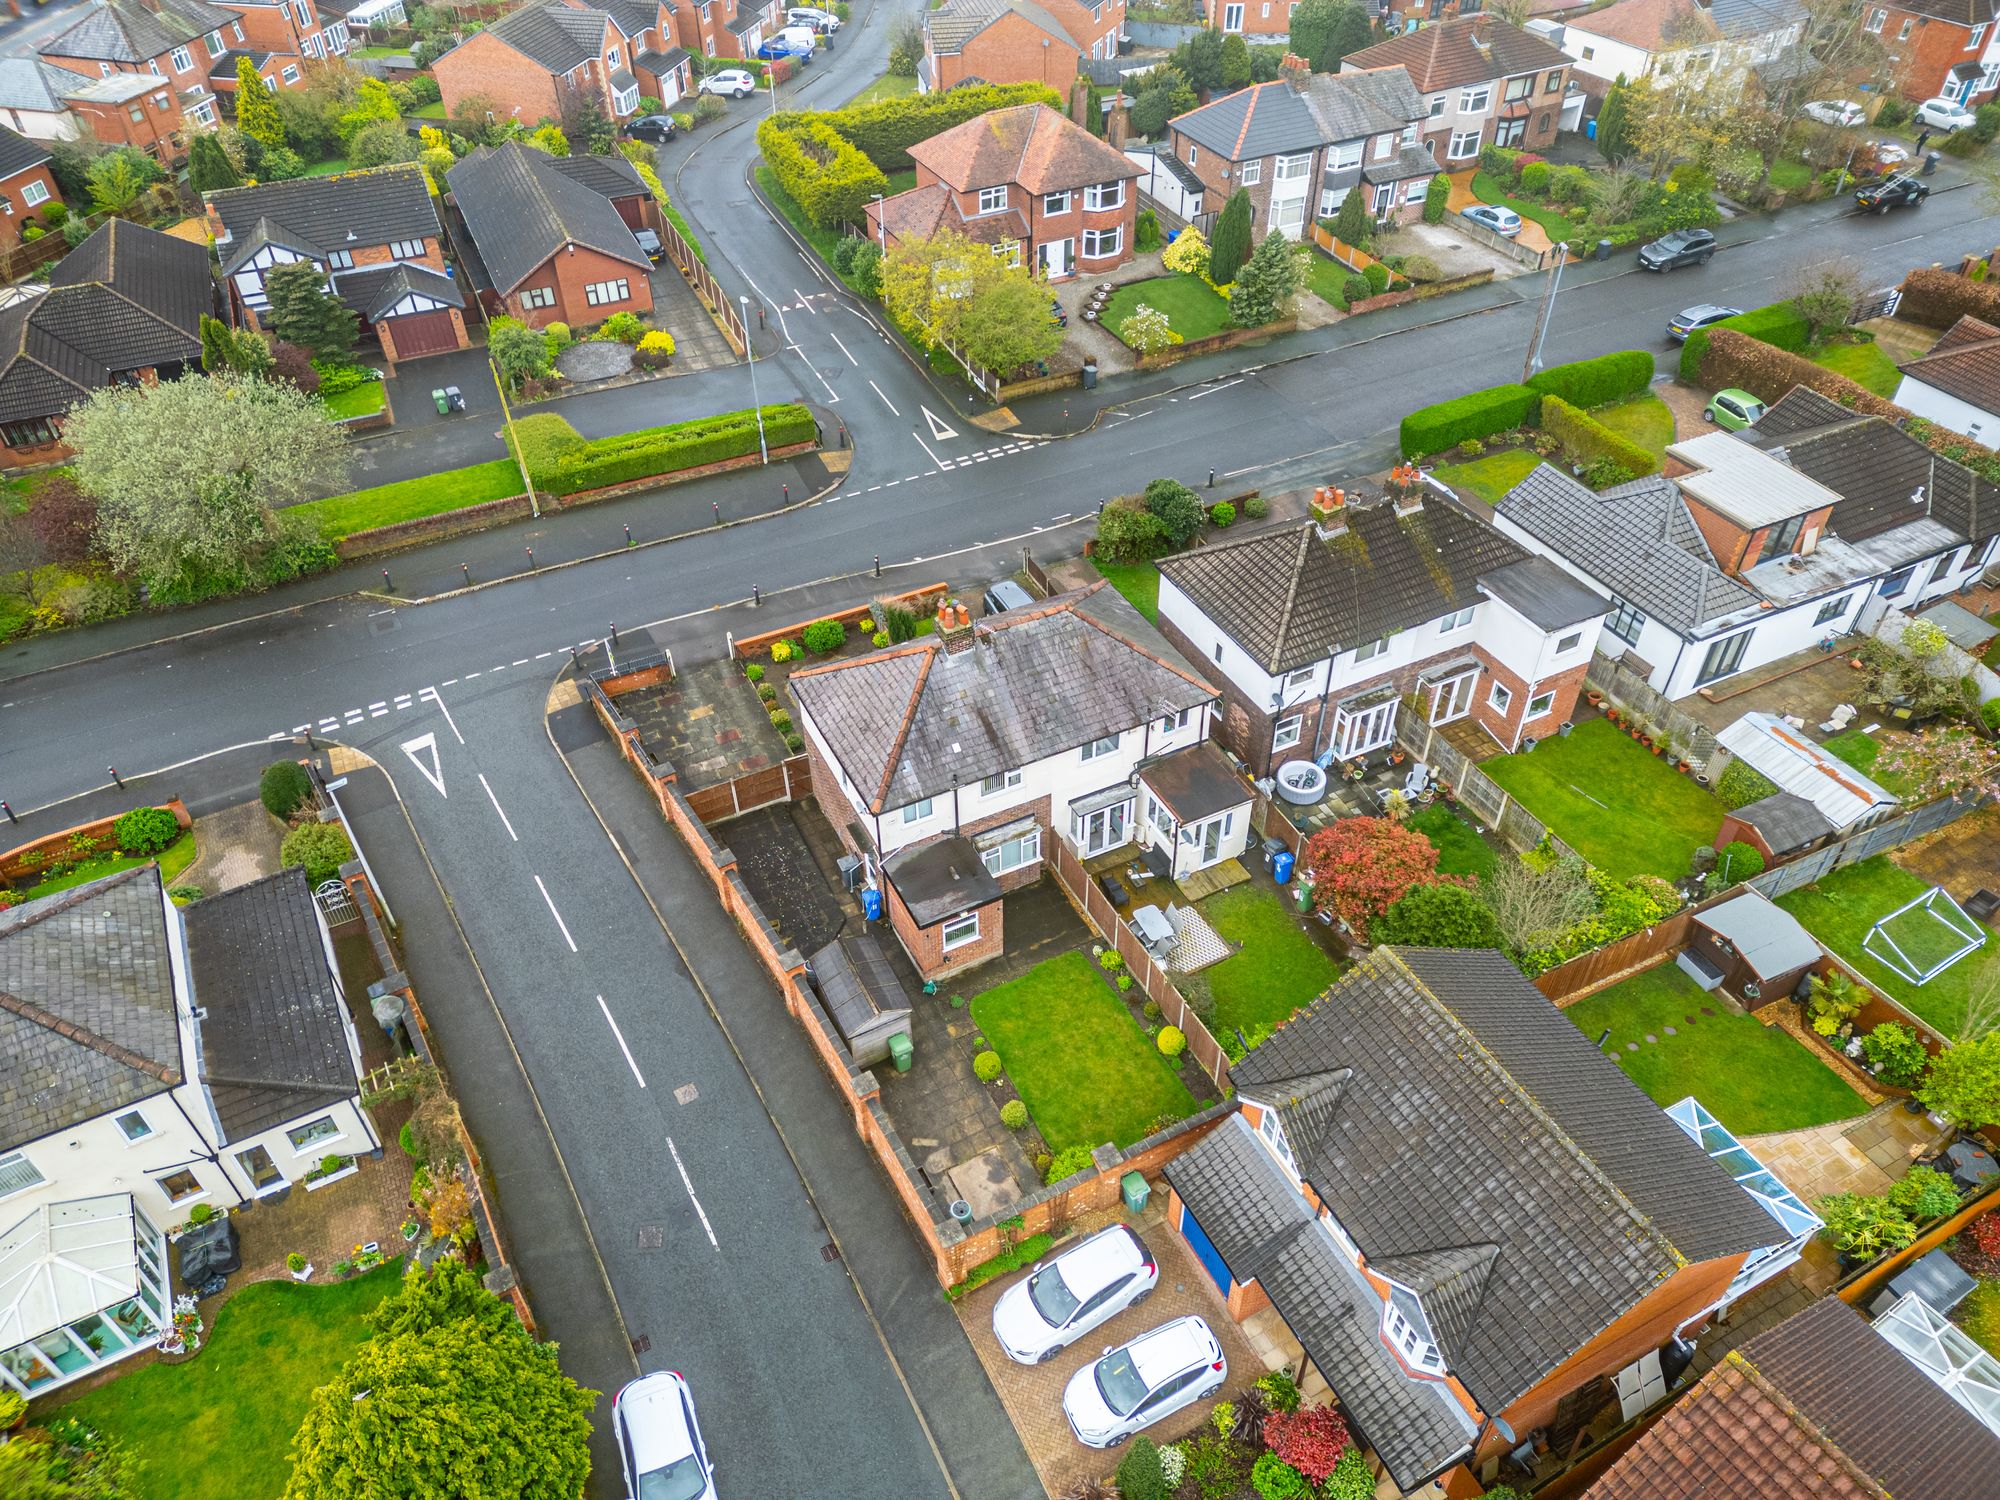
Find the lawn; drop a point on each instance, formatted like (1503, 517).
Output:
(364, 400)
(1645, 420)
(1752, 1077)
(1087, 1071)
(1279, 969)
(1138, 582)
(378, 52)
(1486, 188)
(1979, 1315)
(1615, 803)
(1991, 656)
(174, 860)
(1193, 310)
(1328, 279)
(1862, 751)
(408, 499)
(888, 86)
(328, 167)
(1791, 175)
(1840, 909)
(229, 1414)
(432, 111)
(1491, 477)
(1461, 851)
(1863, 363)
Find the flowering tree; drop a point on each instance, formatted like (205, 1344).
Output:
(1936, 762)
(1311, 1440)
(1361, 867)
(1188, 254)
(1147, 331)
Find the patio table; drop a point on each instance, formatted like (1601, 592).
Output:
(1154, 930)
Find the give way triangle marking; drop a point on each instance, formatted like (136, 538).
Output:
(434, 772)
(939, 432)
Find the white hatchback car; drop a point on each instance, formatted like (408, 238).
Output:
(659, 1441)
(733, 81)
(1946, 115)
(1134, 1386)
(1060, 1300)
(1835, 112)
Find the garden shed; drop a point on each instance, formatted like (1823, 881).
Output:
(1795, 764)
(1754, 950)
(1779, 826)
(862, 995)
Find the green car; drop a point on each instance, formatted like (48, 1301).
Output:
(1733, 410)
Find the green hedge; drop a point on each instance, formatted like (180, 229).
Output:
(1779, 325)
(1432, 429)
(1585, 440)
(667, 450)
(885, 130)
(1597, 382)
(545, 439)
(831, 180)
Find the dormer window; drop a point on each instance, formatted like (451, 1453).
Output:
(1406, 1330)
(1781, 538)
(1273, 1134)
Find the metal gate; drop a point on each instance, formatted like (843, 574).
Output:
(335, 903)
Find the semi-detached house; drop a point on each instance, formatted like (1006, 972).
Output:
(1015, 41)
(1945, 48)
(532, 62)
(1483, 82)
(1667, 39)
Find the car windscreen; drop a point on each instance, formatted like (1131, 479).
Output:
(1119, 1384)
(679, 1480)
(1052, 1298)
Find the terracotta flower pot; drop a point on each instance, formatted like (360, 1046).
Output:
(1593, 697)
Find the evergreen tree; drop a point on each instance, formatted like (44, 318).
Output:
(256, 111)
(209, 169)
(1269, 283)
(1614, 120)
(1235, 62)
(217, 346)
(1325, 31)
(1350, 225)
(306, 313)
(1352, 30)
(1229, 245)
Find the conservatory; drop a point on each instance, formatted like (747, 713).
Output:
(82, 1284)
(1798, 1222)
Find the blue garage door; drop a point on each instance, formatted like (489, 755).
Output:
(1204, 1250)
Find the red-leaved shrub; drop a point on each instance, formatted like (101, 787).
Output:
(1310, 1439)
(1985, 1232)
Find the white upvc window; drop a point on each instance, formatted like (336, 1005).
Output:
(1294, 168)
(1371, 650)
(1903, 32)
(303, 10)
(1288, 732)
(993, 786)
(1273, 1132)
(1295, 680)
(1104, 746)
(181, 58)
(1407, 1331)
(291, 73)
(1456, 621)
(600, 292)
(1877, 18)
(236, 30)
(1464, 144)
(1102, 195)
(181, 1186)
(1569, 642)
(916, 812)
(1176, 721)
(307, 1138)
(1004, 858)
(1978, 35)
(961, 930)
(203, 113)
(993, 200)
(1100, 243)
(1057, 204)
(1253, 173)
(215, 44)
(1473, 101)
(539, 296)
(1232, 18)
(1502, 697)
(1439, 104)
(33, 193)
(614, 59)
(1385, 147)
(18, 1174)
(1344, 157)
(1540, 704)
(133, 1125)
(1417, 190)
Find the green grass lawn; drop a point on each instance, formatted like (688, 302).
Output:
(1991, 656)
(1491, 477)
(363, 401)
(1863, 363)
(1617, 804)
(1279, 969)
(1840, 909)
(174, 860)
(408, 499)
(1461, 851)
(1753, 1078)
(1138, 582)
(1645, 420)
(1194, 311)
(328, 167)
(1327, 278)
(229, 1414)
(1487, 189)
(888, 86)
(432, 111)
(1087, 1071)
(1791, 175)
(377, 51)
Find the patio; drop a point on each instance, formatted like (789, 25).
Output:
(1807, 686)
(708, 722)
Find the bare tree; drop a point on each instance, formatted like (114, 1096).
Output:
(1982, 1009)
(1533, 906)
(1826, 292)
(1513, 12)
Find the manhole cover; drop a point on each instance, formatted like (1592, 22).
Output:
(685, 1094)
(829, 1252)
(652, 1237)
(382, 624)
(642, 1344)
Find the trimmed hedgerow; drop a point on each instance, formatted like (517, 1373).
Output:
(1597, 382)
(885, 130)
(680, 445)
(1780, 325)
(1432, 429)
(1736, 359)
(1585, 440)
(1939, 299)
(827, 175)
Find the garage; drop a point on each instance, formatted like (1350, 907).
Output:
(423, 333)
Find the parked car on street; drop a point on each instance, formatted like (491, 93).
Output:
(1490, 216)
(813, 16)
(1835, 112)
(791, 41)
(659, 1441)
(1900, 191)
(1136, 1384)
(1062, 1299)
(1701, 315)
(659, 129)
(1684, 247)
(1945, 114)
(1003, 596)
(734, 82)
(1733, 410)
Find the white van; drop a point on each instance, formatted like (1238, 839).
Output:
(798, 40)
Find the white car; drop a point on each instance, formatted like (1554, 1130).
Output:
(1133, 1386)
(813, 16)
(732, 81)
(1945, 114)
(1835, 112)
(659, 1441)
(1060, 1300)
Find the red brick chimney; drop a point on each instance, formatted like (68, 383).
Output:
(1079, 101)
(1118, 125)
(1295, 70)
(954, 626)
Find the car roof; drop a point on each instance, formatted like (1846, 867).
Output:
(1170, 1349)
(654, 1421)
(1703, 309)
(1738, 395)
(1101, 1259)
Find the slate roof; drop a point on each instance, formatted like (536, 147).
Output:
(556, 36)
(127, 31)
(913, 721)
(18, 153)
(957, 22)
(1786, 820)
(918, 213)
(607, 176)
(1753, 18)
(1028, 143)
(1288, 598)
(30, 83)
(87, 1022)
(660, 65)
(274, 1040)
(372, 290)
(375, 207)
(1964, 363)
(127, 298)
(1267, 118)
(1465, 49)
(1820, 1405)
(521, 208)
(1440, 1105)
(1409, 161)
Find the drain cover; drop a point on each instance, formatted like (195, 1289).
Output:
(829, 1251)
(652, 1237)
(685, 1094)
(642, 1344)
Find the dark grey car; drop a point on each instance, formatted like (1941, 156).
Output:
(1684, 247)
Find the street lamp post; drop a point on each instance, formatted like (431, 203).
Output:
(1547, 312)
(749, 345)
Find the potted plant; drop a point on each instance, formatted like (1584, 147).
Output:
(13, 1409)
(1861, 1227)
(411, 1228)
(1615, 714)
(299, 1266)
(1594, 698)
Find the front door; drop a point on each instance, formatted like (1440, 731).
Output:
(1105, 828)
(1452, 698)
(1055, 258)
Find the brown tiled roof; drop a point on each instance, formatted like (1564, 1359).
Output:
(1964, 363)
(922, 212)
(1466, 49)
(1030, 144)
(1645, 24)
(1957, 12)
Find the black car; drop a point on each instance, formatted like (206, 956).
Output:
(659, 129)
(1899, 191)
(1684, 247)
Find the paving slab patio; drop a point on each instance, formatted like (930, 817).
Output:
(1847, 1156)
(708, 722)
(237, 845)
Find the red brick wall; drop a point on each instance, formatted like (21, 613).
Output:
(14, 191)
(485, 65)
(1922, 65)
(569, 272)
(925, 945)
(1504, 726)
(1261, 18)
(1011, 50)
(157, 130)
(1075, 18)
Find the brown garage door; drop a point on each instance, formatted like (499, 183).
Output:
(423, 333)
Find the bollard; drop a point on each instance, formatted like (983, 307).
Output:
(9, 812)
(309, 740)
(716, 506)
(760, 317)
(788, 494)
(573, 657)
(756, 597)
(467, 572)
(878, 565)
(843, 435)
(613, 627)
(386, 584)
(531, 556)
(1211, 479)
(112, 771)
(628, 536)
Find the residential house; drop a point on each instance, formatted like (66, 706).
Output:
(1483, 82)
(550, 243)
(376, 236)
(184, 42)
(1300, 144)
(361, 14)
(1957, 384)
(47, 103)
(1657, 39)
(1752, 546)
(26, 184)
(153, 1059)
(1828, 1403)
(1262, 22)
(946, 764)
(1026, 181)
(531, 62)
(1319, 636)
(996, 41)
(1939, 47)
(1468, 1216)
(122, 308)
(294, 31)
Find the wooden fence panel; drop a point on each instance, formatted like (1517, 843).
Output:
(1590, 972)
(1691, 738)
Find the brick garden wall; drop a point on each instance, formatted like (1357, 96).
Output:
(14, 864)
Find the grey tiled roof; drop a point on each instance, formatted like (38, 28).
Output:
(607, 176)
(1408, 162)
(87, 1021)
(373, 290)
(957, 22)
(274, 1041)
(1635, 539)
(1252, 123)
(555, 35)
(18, 153)
(343, 212)
(127, 31)
(1469, 1112)
(1288, 598)
(30, 83)
(1351, 105)
(914, 721)
(1751, 18)
(521, 208)
(1241, 1200)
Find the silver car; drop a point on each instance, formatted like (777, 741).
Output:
(1133, 1386)
(1060, 1300)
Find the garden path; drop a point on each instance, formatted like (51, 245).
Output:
(1462, 196)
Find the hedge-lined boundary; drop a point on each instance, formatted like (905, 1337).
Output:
(1940, 298)
(1597, 382)
(1585, 440)
(827, 175)
(1432, 429)
(885, 130)
(1780, 325)
(1733, 358)
(565, 469)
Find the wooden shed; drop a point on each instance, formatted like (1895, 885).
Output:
(1754, 951)
(862, 996)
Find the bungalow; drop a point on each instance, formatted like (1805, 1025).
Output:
(1478, 1228)
(944, 764)
(1957, 384)
(153, 1059)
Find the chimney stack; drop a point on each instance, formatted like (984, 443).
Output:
(1118, 125)
(954, 626)
(1294, 70)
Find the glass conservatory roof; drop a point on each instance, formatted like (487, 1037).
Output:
(1963, 1371)
(1777, 1200)
(64, 1261)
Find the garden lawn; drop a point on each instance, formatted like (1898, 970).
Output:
(888, 86)
(328, 167)
(364, 400)
(1461, 851)
(174, 860)
(1753, 1078)
(1615, 803)
(432, 111)
(229, 1414)
(1086, 1070)
(1645, 420)
(408, 499)
(1193, 310)
(1487, 189)
(1862, 751)
(1279, 969)
(1791, 175)
(1328, 279)
(1863, 363)
(1841, 907)
(1991, 656)
(1491, 477)
(1139, 582)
